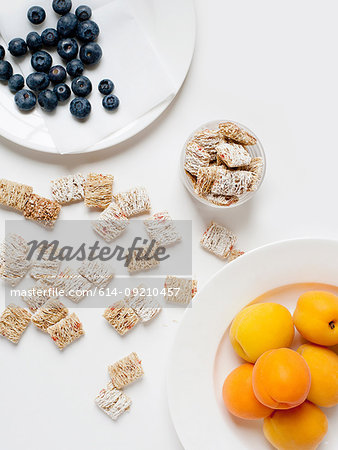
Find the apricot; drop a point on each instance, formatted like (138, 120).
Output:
(238, 395)
(316, 317)
(323, 364)
(261, 327)
(281, 379)
(301, 428)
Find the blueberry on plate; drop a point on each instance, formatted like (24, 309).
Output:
(110, 102)
(57, 74)
(37, 81)
(106, 87)
(75, 68)
(34, 41)
(62, 92)
(87, 31)
(82, 86)
(2, 53)
(83, 12)
(25, 100)
(68, 49)
(67, 25)
(6, 70)
(80, 107)
(16, 83)
(50, 37)
(41, 61)
(48, 100)
(17, 47)
(62, 7)
(90, 53)
(36, 15)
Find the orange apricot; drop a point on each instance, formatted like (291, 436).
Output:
(238, 395)
(281, 379)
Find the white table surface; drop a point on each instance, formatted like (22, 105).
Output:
(269, 65)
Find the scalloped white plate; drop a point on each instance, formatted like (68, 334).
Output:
(202, 355)
(159, 18)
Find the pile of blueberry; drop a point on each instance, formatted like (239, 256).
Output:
(74, 35)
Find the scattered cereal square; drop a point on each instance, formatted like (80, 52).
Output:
(161, 228)
(75, 286)
(143, 259)
(98, 190)
(145, 306)
(14, 195)
(68, 189)
(38, 295)
(133, 202)
(110, 223)
(96, 272)
(112, 401)
(49, 314)
(126, 371)
(66, 331)
(218, 240)
(180, 290)
(41, 210)
(121, 317)
(13, 322)
(14, 262)
(46, 266)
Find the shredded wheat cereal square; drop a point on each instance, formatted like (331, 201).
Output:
(14, 264)
(208, 140)
(232, 183)
(41, 210)
(145, 306)
(45, 266)
(143, 259)
(14, 195)
(126, 371)
(195, 158)
(230, 130)
(233, 155)
(133, 202)
(121, 317)
(13, 322)
(49, 314)
(68, 189)
(206, 177)
(75, 286)
(110, 223)
(218, 240)
(112, 401)
(98, 190)
(256, 167)
(96, 272)
(161, 228)
(38, 295)
(180, 290)
(66, 331)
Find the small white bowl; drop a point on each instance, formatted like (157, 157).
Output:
(254, 151)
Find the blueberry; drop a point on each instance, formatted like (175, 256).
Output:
(37, 81)
(62, 92)
(50, 37)
(25, 100)
(2, 53)
(83, 12)
(57, 74)
(17, 47)
(80, 107)
(87, 31)
(68, 49)
(82, 86)
(36, 15)
(110, 102)
(16, 83)
(48, 100)
(106, 87)
(62, 7)
(41, 61)
(34, 41)
(90, 53)
(67, 25)
(6, 70)
(75, 68)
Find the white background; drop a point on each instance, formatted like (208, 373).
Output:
(269, 65)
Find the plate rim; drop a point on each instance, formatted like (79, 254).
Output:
(181, 430)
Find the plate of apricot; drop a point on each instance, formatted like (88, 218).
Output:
(254, 363)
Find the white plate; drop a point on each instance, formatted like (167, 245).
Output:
(171, 25)
(202, 356)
